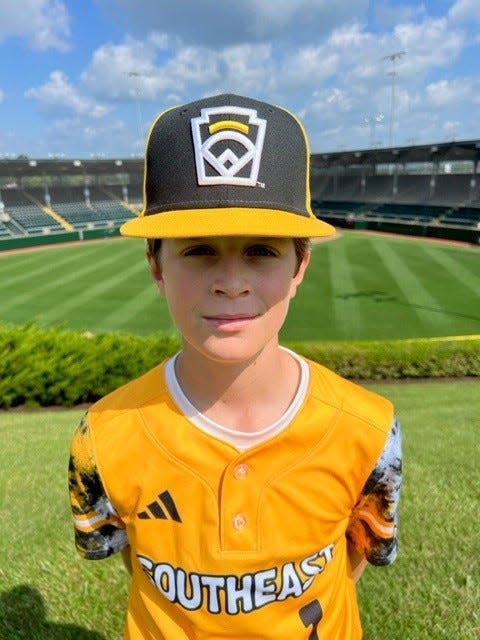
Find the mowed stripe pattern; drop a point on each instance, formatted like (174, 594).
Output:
(98, 287)
(358, 286)
(363, 286)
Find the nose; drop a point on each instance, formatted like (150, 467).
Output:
(231, 278)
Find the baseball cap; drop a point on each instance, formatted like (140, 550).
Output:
(226, 165)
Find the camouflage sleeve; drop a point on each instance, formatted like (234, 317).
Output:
(99, 531)
(372, 530)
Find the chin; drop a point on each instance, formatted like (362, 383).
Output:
(231, 351)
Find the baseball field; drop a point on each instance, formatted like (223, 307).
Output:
(359, 286)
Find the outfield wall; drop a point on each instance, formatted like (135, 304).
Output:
(462, 234)
(427, 230)
(58, 238)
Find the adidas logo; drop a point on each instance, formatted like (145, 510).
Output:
(157, 511)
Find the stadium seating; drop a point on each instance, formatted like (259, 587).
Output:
(462, 216)
(339, 206)
(452, 199)
(378, 188)
(413, 188)
(409, 212)
(33, 220)
(4, 232)
(345, 188)
(135, 195)
(88, 207)
(83, 208)
(27, 216)
(319, 184)
(452, 189)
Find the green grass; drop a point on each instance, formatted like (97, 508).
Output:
(432, 590)
(358, 286)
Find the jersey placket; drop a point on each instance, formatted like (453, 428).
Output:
(240, 491)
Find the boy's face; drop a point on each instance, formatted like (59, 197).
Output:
(228, 296)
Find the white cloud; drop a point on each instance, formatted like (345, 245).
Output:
(449, 93)
(334, 83)
(247, 69)
(451, 129)
(319, 59)
(465, 11)
(132, 70)
(309, 67)
(59, 96)
(429, 44)
(221, 24)
(387, 15)
(327, 117)
(97, 139)
(43, 23)
(2, 95)
(117, 72)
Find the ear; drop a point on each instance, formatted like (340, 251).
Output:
(156, 272)
(298, 277)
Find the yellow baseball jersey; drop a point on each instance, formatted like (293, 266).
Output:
(236, 544)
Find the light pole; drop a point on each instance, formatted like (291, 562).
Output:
(373, 120)
(393, 57)
(136, 74)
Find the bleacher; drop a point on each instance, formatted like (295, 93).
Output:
(4, 232)
(25, 211)
(455, 190)
(27, 216)
(413, 189)
(88, 207)
(135, 195)
(108, 203)
(340, 208)
(408, 212)
(378, 188)
(444, 199)
(341, 188)
(467, 216)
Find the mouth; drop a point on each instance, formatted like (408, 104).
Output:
(230, 322)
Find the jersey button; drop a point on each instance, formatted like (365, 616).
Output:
(241, 471)
(239, 521)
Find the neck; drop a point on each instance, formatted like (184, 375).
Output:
(247, 396)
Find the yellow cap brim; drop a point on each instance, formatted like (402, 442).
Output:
(226, 221)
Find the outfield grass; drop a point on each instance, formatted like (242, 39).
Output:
(359, 286)
(432, 591)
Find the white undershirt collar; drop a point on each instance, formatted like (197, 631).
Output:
(239, 439)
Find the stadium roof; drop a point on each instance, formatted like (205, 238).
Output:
(68, 166)
(441, 152)
(446, 151)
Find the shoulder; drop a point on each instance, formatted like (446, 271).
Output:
(129, 398)
(350, 398)
(119, 436)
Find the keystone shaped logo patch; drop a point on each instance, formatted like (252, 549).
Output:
(228, 145)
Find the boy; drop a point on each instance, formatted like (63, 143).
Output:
(245, 486)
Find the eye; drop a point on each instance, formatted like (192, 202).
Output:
(199, 250)
(262, 250)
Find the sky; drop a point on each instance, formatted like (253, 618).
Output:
(86, 78)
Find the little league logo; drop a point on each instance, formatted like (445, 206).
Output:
(228, 143)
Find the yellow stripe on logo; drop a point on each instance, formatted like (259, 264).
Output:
(228, 124)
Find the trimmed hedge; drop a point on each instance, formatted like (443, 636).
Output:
(398, 359)
(56, 367)
(48, 367)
